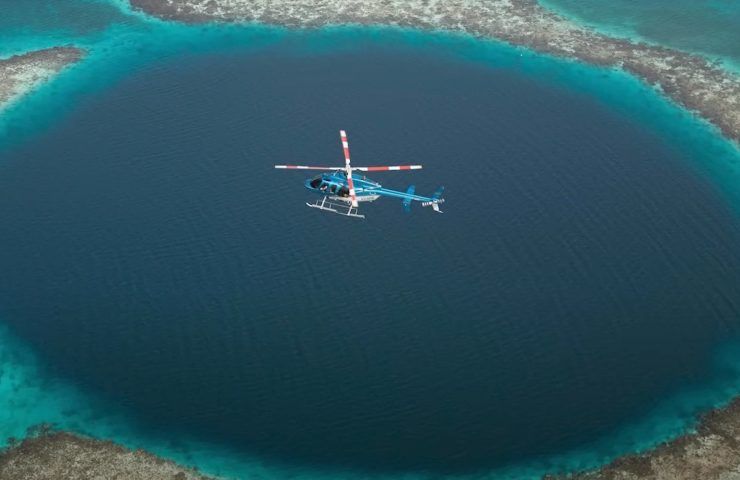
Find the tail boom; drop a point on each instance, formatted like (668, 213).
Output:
(409, 196)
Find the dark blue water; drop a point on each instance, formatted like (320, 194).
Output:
(582, 271)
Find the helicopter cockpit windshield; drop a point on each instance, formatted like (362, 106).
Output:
(327, 187)
(316, 182)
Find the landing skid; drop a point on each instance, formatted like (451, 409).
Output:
(340, 209)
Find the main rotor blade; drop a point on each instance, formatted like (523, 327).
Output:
(345, 148)
(383, 169)
(350, 183)
(306, 167)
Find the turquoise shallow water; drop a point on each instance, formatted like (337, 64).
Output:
(710, 27)
(121, 43)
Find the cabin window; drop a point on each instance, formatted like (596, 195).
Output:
(344, 192)
(333, 189)
(315, 182)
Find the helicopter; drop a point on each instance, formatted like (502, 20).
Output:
(342, 192)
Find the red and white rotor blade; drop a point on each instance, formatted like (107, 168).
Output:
(387, 168)
(350, 183)
(305, 167)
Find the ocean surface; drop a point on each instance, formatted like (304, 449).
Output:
(164, 287)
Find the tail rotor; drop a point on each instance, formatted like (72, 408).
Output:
(436, 200)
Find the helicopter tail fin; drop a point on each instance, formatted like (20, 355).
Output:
(407, 201)
(438, 194)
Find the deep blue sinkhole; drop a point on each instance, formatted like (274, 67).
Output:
(581, 270)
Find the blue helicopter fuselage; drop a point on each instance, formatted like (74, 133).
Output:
(335, 185)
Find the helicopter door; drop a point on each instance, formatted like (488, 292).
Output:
(333, 189)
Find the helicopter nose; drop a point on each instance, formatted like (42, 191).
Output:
(307, 184)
